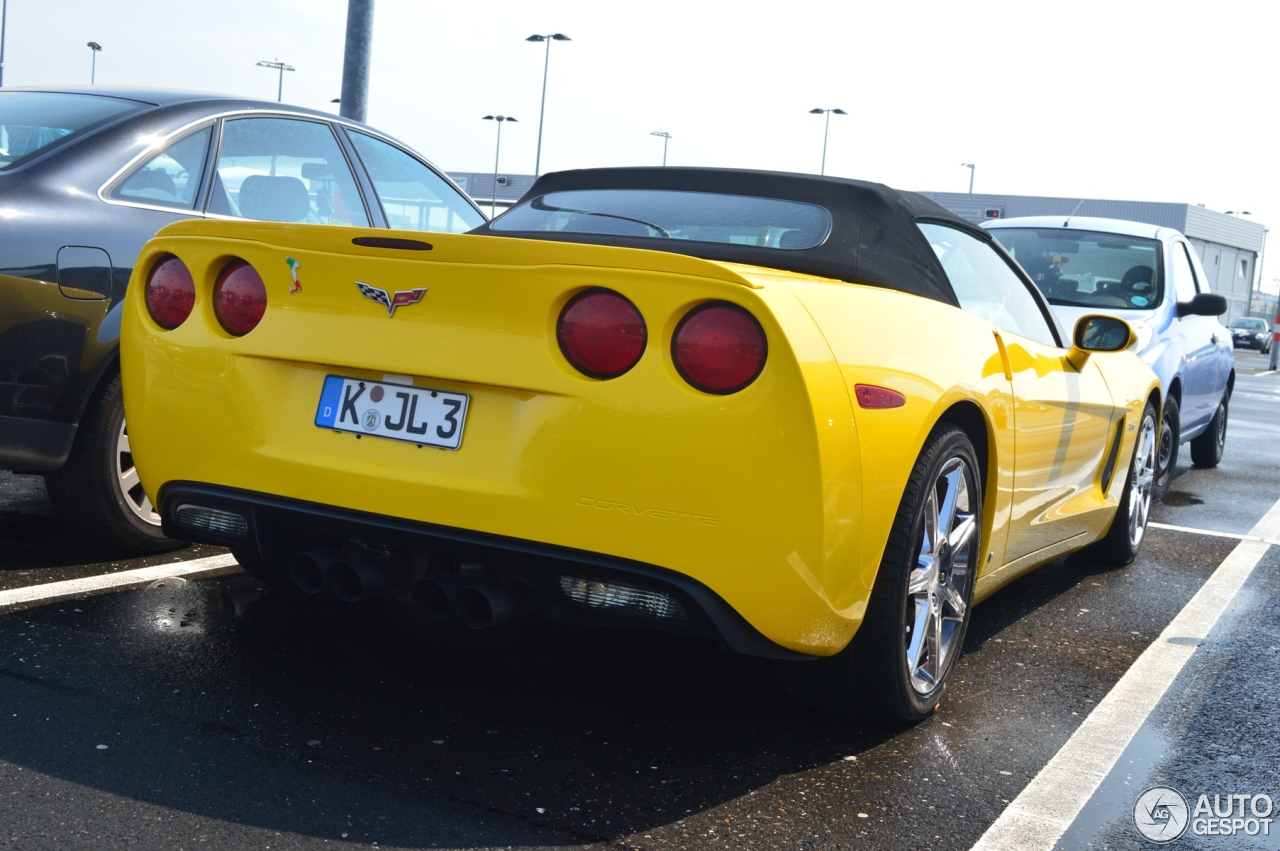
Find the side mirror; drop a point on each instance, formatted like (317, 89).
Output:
(1204, 304)
(1099, 333)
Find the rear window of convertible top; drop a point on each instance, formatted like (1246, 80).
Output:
(669, 214)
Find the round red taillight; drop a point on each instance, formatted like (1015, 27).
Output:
(719, 348)
(601, 333)
(170, 293)
(239, 298)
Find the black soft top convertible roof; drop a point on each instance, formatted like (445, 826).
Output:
(873, 237)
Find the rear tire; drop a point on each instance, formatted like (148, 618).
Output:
(895, 668)
(1167, 447)
(97, 490)
(1206, 450)
(1129, 527)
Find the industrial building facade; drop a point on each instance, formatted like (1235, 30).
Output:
(1230, 248)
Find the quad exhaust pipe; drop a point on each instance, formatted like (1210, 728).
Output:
(348, 578)
(361, 576)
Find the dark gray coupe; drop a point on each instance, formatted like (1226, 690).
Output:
(89, 175)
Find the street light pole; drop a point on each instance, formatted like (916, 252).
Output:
(971, 168)
(666, 137)
(546, 64)
(826, 127)
(4, 15)
(281, 67)
(497, 151)
(94, 48)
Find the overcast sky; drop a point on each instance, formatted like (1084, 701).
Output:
(1126, 99)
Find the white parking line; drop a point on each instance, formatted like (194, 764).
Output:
(1212, 534)
(1052, 800)
(89, 584)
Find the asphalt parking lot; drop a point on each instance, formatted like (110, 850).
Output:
(203, 712)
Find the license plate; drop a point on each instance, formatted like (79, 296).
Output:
(395, 411)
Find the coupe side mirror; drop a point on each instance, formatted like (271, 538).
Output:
(1099, 333)
(1204, 304)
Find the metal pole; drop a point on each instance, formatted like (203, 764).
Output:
(4, 15)
(93, 67)
(497, 151)
(971, 171)
(665, 139)
(537, 161)
(280, 86)
(825, 128)
(355, 61)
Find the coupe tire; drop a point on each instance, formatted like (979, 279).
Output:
(1206, 450)
(1129, 527)
(97, 490)
(895, 669)
(1167, 447)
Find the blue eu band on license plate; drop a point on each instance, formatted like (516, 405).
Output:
(395, 411)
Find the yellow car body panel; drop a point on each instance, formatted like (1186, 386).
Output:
(778, 498)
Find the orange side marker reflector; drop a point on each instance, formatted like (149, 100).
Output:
(870, 396)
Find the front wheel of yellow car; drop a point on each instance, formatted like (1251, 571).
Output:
(1120, 545)
(897, 665)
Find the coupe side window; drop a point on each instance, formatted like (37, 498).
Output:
(985, 285)
(172, 177)
(413, 197)
(1184, 279)
(284, 170)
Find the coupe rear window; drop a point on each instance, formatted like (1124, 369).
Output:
(31, 122)
(667, 214)
(1088, 269)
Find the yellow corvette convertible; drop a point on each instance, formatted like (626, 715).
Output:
(814, 419)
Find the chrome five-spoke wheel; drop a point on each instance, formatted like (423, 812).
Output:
(938, 587)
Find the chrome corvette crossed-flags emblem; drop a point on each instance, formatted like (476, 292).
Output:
(400, 298)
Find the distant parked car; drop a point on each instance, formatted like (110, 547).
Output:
(1251, 333)
(1151, 277)
(87, 176)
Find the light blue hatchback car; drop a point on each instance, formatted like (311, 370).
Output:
(1151, 277)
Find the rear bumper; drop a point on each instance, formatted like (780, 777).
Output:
(279, 526)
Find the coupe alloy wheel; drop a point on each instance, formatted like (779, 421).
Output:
(937, 587)
(1141, 480)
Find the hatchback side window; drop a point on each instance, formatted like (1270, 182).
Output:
(284, 170)
(413, 197)
(172, 177)
(985, 284)
(1184, 279)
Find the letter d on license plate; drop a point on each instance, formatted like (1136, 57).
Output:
(411, 414)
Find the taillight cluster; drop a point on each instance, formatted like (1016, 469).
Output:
(239, 295)
(717, 347)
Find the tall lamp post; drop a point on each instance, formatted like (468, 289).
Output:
(497, 151)
(94, 49)
(537, 162)
(971, 168)
(826, 127)
(281, 67)
(4, 14)
(666, 137)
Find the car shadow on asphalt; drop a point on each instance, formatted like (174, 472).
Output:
(595, 732)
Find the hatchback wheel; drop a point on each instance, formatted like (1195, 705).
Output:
(1206, 450)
